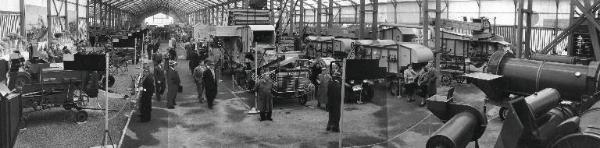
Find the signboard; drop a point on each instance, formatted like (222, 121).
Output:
(227, 31)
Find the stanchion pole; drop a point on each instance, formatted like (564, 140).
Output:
(106, 136)
(342, 86)
(135, 51)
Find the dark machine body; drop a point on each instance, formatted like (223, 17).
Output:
(575, 82)
(549, 96)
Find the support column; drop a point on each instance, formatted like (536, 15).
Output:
(222, 15)
(425, 23)
(87, 18)
(292, 16)
(571, 38)
(330, 18)
(361, 32)
(374, 25)
(272, 17)
(49, 17)
(340, 16)
(519, 33)
(22, 21)
(528, 49)
(395, 4)
(77, 18)
(66, 16)
(355, 14)
(301, 21)
(438, 41)
(318, 15)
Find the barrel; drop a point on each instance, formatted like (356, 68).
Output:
(525, 77)
(456, 133)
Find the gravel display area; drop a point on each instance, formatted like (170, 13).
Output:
(56, 127)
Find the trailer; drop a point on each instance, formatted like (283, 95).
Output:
(394, 57)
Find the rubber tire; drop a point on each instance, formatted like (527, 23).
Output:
(503, 113)
(81, 116)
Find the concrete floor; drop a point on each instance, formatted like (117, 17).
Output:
(387, 122)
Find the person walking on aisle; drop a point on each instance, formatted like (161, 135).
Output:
(334, 104)
(198, 78)
(173, 84)
(210, 83)
(145, 102)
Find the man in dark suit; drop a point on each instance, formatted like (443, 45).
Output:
(145, 102)
(210, 83)
(173, 83)
(334, 103)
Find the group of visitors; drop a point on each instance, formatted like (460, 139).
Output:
(420, 80)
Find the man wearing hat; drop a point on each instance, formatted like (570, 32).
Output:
(173, 83)
(210, 83)
(265, 98)
(145, 102)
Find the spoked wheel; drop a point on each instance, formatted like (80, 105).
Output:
(503, 113)
(81, 116)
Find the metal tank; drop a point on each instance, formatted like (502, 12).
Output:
(524, 77)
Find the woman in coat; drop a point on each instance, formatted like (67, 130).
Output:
(265, 98)
(173, 83)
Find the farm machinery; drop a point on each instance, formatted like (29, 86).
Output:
(544, 104)
(44, 85)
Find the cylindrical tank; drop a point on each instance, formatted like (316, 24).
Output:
(525, 77)
(543, 101)
(456, 133)
(589, 135)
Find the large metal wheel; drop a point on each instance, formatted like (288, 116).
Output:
(81, 116)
